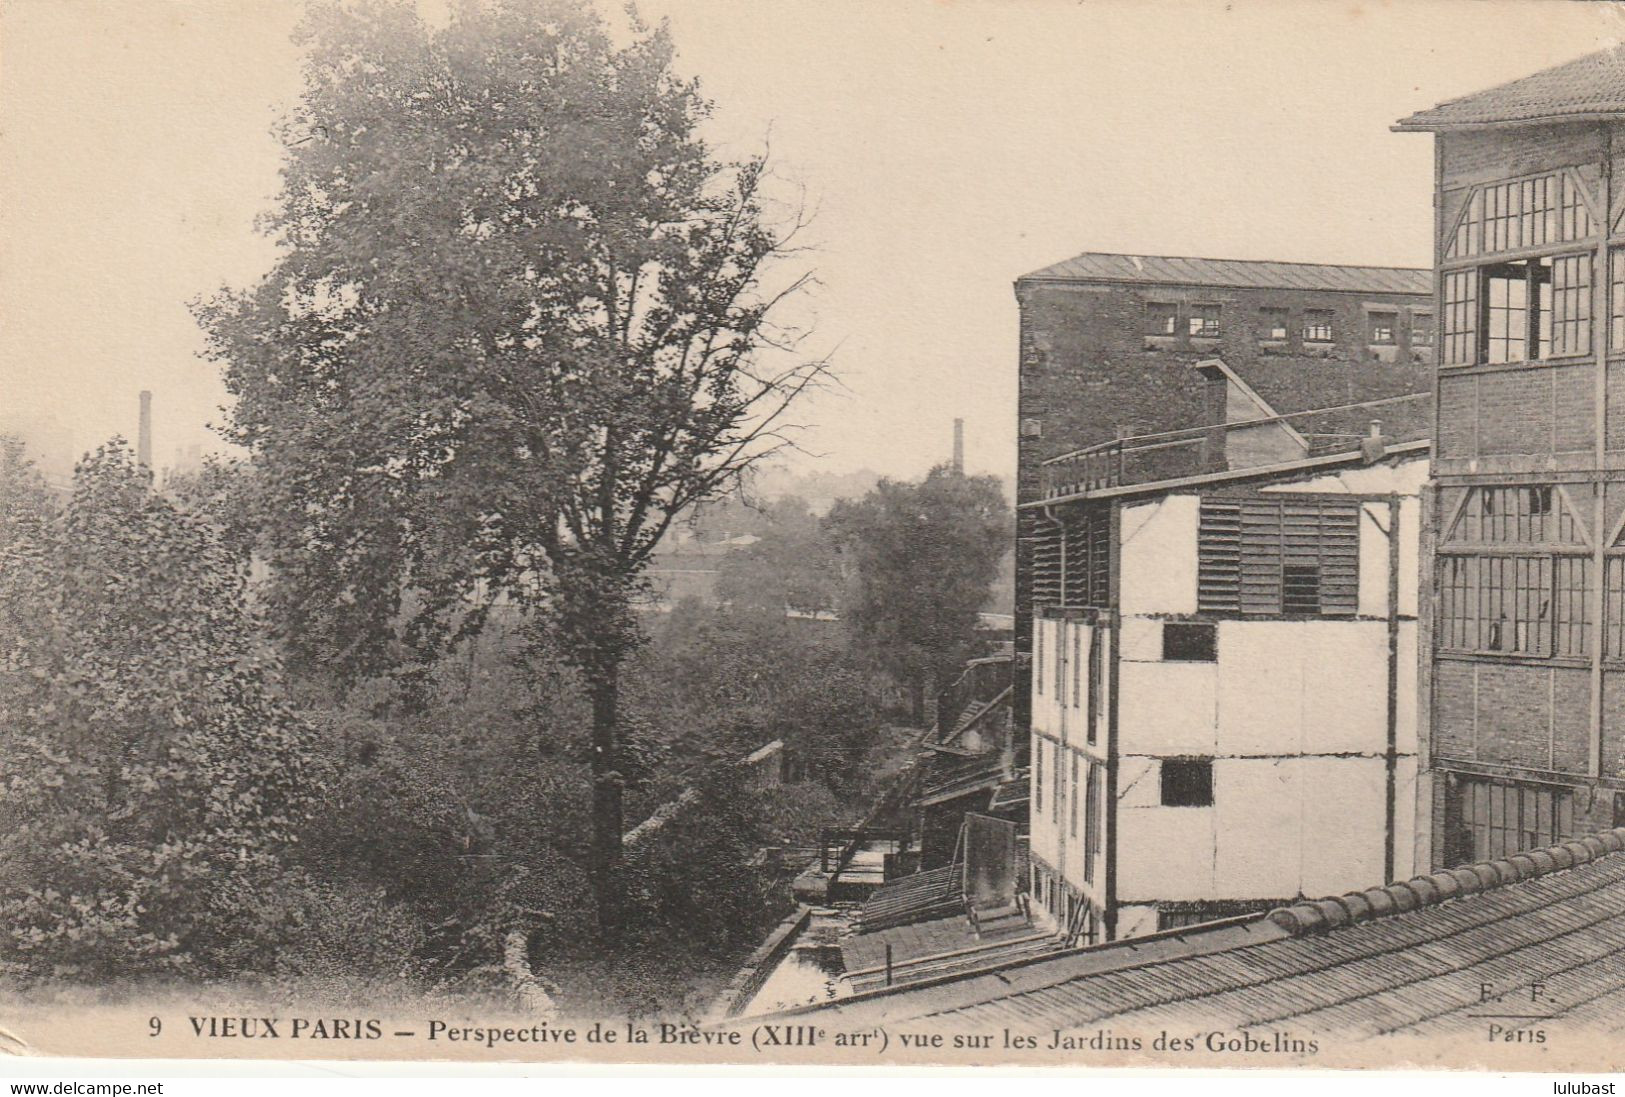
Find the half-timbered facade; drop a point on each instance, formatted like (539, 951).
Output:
(1524, 687)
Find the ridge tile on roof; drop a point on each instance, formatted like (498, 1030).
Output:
(1402, 959)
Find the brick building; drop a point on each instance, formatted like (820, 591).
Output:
(1524, 720)
(1114, 345)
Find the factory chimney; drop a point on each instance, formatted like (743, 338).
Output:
(959, 446)
(143, 438)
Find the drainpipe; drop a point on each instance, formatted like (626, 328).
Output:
(1391, 756)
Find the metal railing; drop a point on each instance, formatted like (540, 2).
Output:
(1172, 454)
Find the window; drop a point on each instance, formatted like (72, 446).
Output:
(1495, 819)
(1616, 294)
(1300, 588)
(1060, 662)
(1097, 664)
(1507, 297)
(1517, 605)
(1532, 601)
(1187, 783)
(1317, 325)
(1524, 311)
(1380, 328)
(1088, 558)
(1038, 655)
(1532, 514)
(1272, 324)
(1421, 328)
(1072, 807)
(1038, 775)
(1161, 319)
(1091, 821)
(1077, 660)
(1278, 556)
(1613, 587)
(1189, 643)
(1521, 213)
(1461, 318)
(1203, 322)
(1566, 325)
(1060, 786)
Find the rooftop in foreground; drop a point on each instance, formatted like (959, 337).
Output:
(1407, 959)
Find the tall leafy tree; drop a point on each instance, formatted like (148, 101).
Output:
(153, 778)
(922, 559)
(522, 319)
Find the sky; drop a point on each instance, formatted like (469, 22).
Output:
(947, 147)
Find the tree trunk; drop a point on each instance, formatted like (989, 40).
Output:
(917, 700)
(605, 860)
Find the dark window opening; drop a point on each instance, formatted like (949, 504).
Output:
(1204, 322)
(1161, 319)
(1190, 643)
(1300, 588)
(1317, 326)
(1187, 783)
(1380, 328)
(1535, 309)
(1421, 329)
(1272, 324)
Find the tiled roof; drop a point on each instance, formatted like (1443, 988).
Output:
(1094, 266)
(1587, 87)
(1408, 958)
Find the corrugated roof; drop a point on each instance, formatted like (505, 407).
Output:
(938, 947)
(1587, 87)
(1093, 266)
(923, 895)
(1408, 958)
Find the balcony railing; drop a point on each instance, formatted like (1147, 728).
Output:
(1175, 454)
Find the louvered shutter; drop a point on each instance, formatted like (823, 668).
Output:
(1266, 557)
(1218, 581)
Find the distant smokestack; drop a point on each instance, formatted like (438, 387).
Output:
(143, 438)
(959, 446)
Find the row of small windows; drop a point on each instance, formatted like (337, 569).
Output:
(1486, 820)
(1273, 325)
(1534, 605)
(1532, 594)
(1521, 213)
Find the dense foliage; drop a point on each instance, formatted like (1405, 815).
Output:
(922, 558)
(154, 778)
